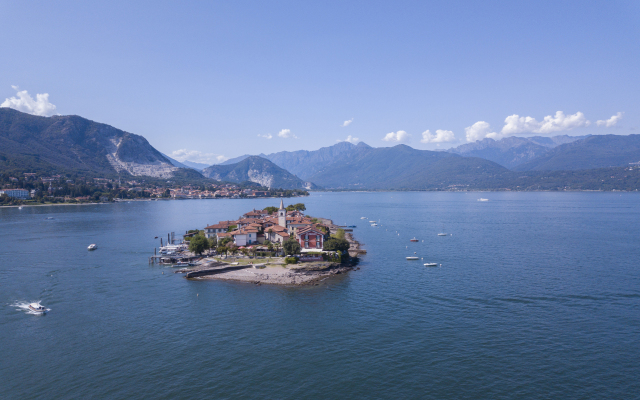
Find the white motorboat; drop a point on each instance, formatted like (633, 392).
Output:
(481, 199)
(430, 264)
(374, 224)
(413, 258)
(363, 217)
(35, 307)
(442, 234)
(92, 246)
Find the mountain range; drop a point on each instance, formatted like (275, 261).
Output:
(71, 143)
(258, 170)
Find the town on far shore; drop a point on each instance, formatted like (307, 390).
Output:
(38, 189)
(278, 245)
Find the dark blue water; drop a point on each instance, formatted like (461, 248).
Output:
(538, 296)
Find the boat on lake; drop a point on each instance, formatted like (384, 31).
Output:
(413, 258)
(430, 264)
(481, 199)
(414, 240)
(442, 234)
(92, 246)
(374, 224)
(35, 307)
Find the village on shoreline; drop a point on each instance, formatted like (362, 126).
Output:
(275, 245)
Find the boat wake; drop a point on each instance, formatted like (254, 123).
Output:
(24, 306)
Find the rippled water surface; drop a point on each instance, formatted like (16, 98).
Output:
(538, 296)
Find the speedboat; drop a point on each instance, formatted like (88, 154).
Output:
(413, 258)
(481, 199)
(35, 307)
(92, 246)
(430, 264)
(414, 240)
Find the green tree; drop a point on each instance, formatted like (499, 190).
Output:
(298, 206)
(271, 210)
(335, 244)
(339, 234)
(213, 242)
(291, 246)
(198, 244)
(222, 250)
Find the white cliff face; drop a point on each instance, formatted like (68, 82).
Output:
(261, 178)
(156, 168)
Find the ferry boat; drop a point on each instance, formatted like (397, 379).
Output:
(430, 264)
(414, 240)
(413, 258)
(35, 307)
(92, 246)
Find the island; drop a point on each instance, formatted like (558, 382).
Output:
(277, 245)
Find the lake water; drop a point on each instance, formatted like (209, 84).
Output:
(538, 296)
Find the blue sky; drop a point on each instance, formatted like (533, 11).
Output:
(217, 79)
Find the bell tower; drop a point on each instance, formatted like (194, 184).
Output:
(282, 215)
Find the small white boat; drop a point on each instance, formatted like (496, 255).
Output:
(413, 258)
(414, 240)
(92, 246)
(363, 217)
(442, 234)
(20, 208)
(430, 264)
(481, 199)
(374, 224)
(35, 307)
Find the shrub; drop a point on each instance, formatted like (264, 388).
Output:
(290, 260)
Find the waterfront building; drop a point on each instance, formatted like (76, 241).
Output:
(22, 194)
(310, 237)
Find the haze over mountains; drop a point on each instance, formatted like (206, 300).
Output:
(70, 143)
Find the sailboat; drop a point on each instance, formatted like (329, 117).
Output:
(442, 233)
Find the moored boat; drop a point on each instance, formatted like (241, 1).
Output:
(442, 234)
(413, 258)
(481, 199)
(430, 264)
(92, 246)
(414, 240)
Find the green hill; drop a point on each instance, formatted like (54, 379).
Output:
(60, 144)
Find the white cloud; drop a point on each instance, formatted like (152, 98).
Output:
(286, 134)
(479, 131)
(198, 156)
(400, 136)
(348, 122)
(441, 136)
(516, 124)
(25, 103)
(267, 136)
(350, 139)
(611, 121)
